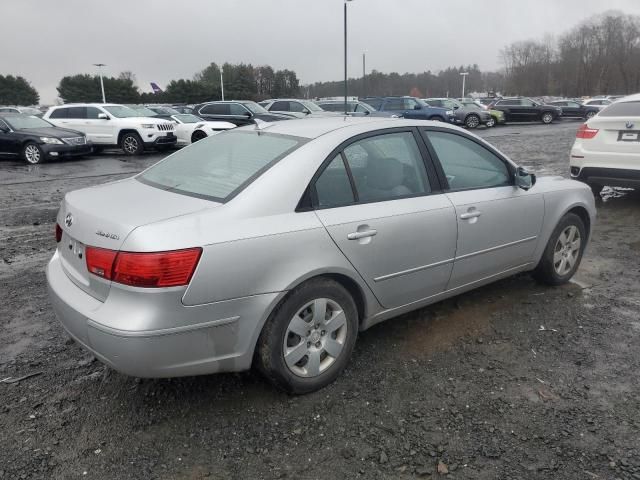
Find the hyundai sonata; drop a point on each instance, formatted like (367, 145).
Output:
(273, 245)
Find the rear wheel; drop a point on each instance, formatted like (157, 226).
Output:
(547, 118)
(436, 119)
(491, 122)
(32, 153)
(198, 135)
(472, 121)
(563, 253)
(308, 339)
(131, 143)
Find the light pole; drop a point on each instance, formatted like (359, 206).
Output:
(464, 77)
(100, 65)
(364, 74)
(221, 84)
(345, 55)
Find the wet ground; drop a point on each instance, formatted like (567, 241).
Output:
(512, 381)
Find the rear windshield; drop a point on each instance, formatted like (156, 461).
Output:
(621, 109)
(220, 166)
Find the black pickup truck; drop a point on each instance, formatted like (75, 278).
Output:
(523, 109)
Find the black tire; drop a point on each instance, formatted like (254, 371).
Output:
(197, 136)
(596, 188)
(435, 118)
(472, 121)
(32, 153)
(546, 118)
(545, 271)
(589, 115)
(269, 355)
(492, 122)
(131, 144)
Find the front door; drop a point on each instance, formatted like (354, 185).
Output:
(383, 211)
(8, 140)
(100, 131)
(498, 223)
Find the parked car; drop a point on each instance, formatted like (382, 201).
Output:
(410, 107)
(294, 107)
(523, 109)
(236, 112)
(36, 140)
(486, 101)
(599, 103)
(468, 116)
(355, 108)
(25, 110)
(112, 125)
(274, 245)
(607, 147)
(572, 109)
(496, 115)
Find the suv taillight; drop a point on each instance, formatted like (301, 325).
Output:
(58, 233)
(154, 269)
(585, 132)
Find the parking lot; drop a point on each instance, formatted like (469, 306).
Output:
(513, 380)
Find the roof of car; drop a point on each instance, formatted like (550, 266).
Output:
(317, 126)
(84, 104)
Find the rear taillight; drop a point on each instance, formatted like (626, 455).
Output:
(585, 132)
(100, 261)
(58, 233)
(155, 269)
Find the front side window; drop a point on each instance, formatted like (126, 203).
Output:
(333, 188)
(525, 102)
(394, 104)
(386, 167)
(296, 107)
(93, 112)
(280, 106)
(217, 167)
(466, 164)
(215, 109)
(375, 103)
(237, 109)
(410, 104)
(120, 111)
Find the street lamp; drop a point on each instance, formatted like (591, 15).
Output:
(221, 84)
(345, 55)
(464, 77)
(100, 65)
(364, 74)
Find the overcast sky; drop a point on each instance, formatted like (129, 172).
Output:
(160, 40)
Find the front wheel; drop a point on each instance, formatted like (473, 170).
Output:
(198, 135)
(32, 153)
(491, 122)
(472, 121)
(131, 143)
(308, 339)
(436, 119)
(547, 118)
(563, 253)
(589, 115)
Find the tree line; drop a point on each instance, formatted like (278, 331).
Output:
(241, 81)
(17, 91)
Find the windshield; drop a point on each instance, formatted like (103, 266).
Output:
(187, 118)
(621, 109)
(120, 111)
(20, 122)
(221, 165)
(165, 110)
(30, 111)
(254, 107)
(312, 107)
(144, 111)
(472, 106)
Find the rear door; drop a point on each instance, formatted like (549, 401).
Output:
(382, 205)
(9, 142)
(498, 223)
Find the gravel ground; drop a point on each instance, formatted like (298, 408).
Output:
(512, 381)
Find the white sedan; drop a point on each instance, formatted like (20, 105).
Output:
(191, 128)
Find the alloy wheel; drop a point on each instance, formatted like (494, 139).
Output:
(315, 337)
(130, 144)
(547, 118)
(32, 154)
(473, 121)
(567, 250)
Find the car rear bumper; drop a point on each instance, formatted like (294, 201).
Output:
(64, 151)
(203, 339)
(613, 177)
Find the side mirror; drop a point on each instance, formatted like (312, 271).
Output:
(306, 111)
(456, 107)
(247, 114)
(524, 179)
(103, 116)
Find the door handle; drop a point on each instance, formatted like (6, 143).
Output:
(363, 234)
(472, 214)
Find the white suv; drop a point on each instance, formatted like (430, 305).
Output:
(114, 125)
(607, 147)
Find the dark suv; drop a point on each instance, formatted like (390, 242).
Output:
(410, 107)
(523, 109)
(237, 112)
(573, 109)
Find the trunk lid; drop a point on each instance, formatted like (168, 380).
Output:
(103, 217)
(615, 134)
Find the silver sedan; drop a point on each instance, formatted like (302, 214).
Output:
(273, 245)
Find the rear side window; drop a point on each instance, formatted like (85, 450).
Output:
(333, 188)
(466, 164)
(280, 106)
(221, 165)
(59, 113)
(621, 109)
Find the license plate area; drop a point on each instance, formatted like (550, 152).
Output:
(74, 253)
(629, 136)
